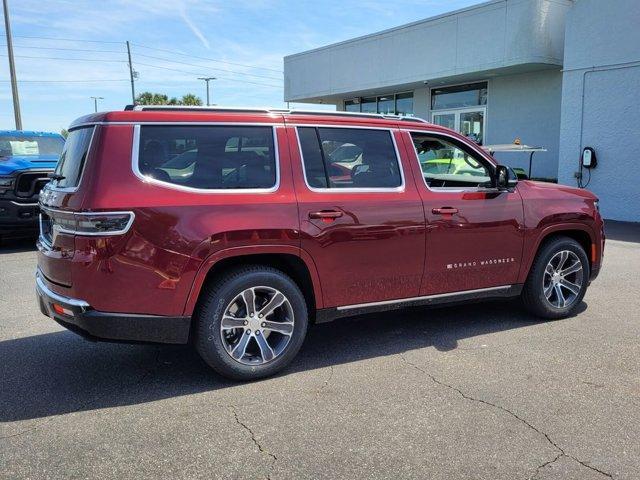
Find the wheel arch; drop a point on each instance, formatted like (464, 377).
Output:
(291, 260)
(580, 232)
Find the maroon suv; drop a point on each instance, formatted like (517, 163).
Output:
(235, 229)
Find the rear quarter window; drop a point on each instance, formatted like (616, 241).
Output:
(73, 157)
(209, 157)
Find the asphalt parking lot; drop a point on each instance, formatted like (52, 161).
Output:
(480, 391)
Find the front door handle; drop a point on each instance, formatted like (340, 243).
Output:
(444, 211)
(326, 214)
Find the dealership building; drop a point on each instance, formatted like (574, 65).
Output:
(559, 74)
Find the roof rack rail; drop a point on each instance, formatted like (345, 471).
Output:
(403, 118)
(139, 108)
(386, 116)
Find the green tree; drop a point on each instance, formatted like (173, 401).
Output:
(64, 132)
(148, 98)
(190, 99)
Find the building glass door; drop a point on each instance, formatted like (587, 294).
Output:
(461, 108)
(469, 123)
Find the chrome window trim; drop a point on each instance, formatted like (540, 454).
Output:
(50, 186)
(444, 134)
(424, 297)
(122, 231)
(135, 152)
(398, 189)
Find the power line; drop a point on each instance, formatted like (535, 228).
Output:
(221, 78)
(207, 67)
(68, 59)
(174, 52)
(67, 39)
(206, 58)
(65, 49)
(69, 81)
(146, 65)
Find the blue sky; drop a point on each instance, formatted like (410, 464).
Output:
(248, 38)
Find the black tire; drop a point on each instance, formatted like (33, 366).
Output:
(214, 301)
(533, 295)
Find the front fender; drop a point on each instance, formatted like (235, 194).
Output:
(536, 236)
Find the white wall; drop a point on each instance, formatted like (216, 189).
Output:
(601, 102)
(527, 106)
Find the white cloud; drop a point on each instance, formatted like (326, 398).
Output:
(192, 26)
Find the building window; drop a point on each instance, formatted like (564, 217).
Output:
(369, 105)
(392, 104)
(352, 106)
(404, 104)
(387, 105)
(460, 96)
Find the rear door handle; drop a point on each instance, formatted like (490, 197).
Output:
(326, 214)
(444, 211)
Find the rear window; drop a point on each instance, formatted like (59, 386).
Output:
(209, 157)
(25, 145)
(349, 158)
(73, 157)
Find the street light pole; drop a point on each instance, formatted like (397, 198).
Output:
(95, 103)
(206, 79)
(12, 68)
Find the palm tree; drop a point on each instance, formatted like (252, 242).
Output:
(148, 98)
(190, 99)
(145, 98)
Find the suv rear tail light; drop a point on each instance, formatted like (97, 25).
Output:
(85, 223)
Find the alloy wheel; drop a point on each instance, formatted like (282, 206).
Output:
(257, 325)
(563, 279)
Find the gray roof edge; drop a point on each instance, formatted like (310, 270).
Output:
(400, 27)
(413, 24)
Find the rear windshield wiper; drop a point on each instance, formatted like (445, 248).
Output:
(56, 176)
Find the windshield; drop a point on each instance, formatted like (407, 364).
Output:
(30, 145)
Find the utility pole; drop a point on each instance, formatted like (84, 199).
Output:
(131, 75)
(12, 68)
(206, 79)
(95, 103)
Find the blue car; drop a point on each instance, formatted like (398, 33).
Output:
(26, 159)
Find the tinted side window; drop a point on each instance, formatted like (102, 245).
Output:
(445, 164)
(312, 155)
(349, 158)
(208, 157)
(73, 157)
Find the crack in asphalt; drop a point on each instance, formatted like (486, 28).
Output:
(88, 403)
(545, 464)
(561, 451)
(261, 449)
(326, 382)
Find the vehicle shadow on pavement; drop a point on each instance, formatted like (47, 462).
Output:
(17, 245)
(59, 372)
(622, 231)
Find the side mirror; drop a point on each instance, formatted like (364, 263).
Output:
(505, 178)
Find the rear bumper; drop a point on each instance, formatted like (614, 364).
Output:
(80, 318)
